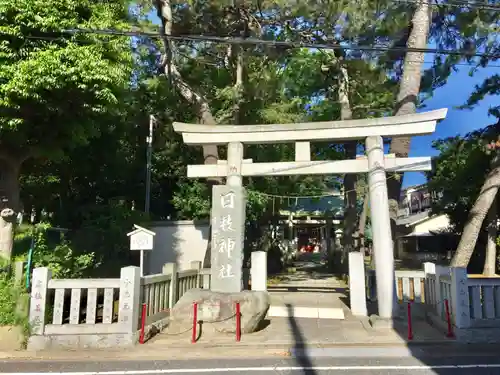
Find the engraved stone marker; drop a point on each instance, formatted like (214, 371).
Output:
(129, 302)
(41, 277)
(228, 232)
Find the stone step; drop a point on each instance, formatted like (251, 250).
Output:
(306, 312)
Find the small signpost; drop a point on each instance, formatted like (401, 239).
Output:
(141, 239)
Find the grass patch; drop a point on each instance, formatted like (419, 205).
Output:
(13, 305)
(273, 280)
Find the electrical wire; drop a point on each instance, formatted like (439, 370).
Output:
(275, 43)
(470, 65)
(455, 3)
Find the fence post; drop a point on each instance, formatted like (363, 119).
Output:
(430, 295)
(206, 274)
(437, 297)
(129, 303)
(371, 285)
(357, 289)
(196, 265)
(258, 270)
(171, 269)
(38, 299)
(246, 277)
(460, 303)
(440, 271)
(18, 272)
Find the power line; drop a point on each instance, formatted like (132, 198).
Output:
(455, 4)
(47, 38)
(275, 43)
(469, 4)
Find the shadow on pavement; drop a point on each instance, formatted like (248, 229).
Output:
(431, 347)
(304, 289)
(302, 360)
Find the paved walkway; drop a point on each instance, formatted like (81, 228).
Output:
(305, 292)
(309, 292)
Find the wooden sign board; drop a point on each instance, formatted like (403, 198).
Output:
(141, 238)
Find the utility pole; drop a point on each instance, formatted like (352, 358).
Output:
(149, 152)
(147, 200)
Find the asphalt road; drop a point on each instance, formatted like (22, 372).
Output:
(320, 364)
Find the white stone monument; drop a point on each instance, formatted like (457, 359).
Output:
(376, 165)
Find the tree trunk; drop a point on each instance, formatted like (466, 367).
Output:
(408, 93)
(476, 217)
(350, 195)
(10, 204)
(490, 261)
(197, 100)
(362, 223)
(238, 84)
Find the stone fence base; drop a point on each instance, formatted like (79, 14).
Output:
(467, 335)
(83, 341)
(94, 341)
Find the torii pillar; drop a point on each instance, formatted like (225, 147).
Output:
(381, 230)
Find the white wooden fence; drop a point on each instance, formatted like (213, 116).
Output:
(160, 292)
(409, 286)
(88, 312)
(473, 301)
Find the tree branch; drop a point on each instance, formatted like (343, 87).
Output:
(198, 101)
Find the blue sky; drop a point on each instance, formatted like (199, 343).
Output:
(453, 94)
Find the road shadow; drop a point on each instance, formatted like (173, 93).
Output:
(299, 350)
(306, 289)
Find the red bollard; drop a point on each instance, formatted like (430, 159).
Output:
(450, 333)
(238, 322)
(143, 323)
(195, 321)
(410, 327)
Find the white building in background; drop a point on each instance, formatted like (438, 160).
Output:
(422, 236)
(180, 241)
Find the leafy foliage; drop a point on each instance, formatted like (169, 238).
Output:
(56, 89)
(459, 172)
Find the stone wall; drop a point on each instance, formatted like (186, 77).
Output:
(180, 242)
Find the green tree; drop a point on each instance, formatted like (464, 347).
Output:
(466, 173)
(56, 90)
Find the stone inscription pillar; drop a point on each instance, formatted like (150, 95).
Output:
(381, 227)
(228, 232)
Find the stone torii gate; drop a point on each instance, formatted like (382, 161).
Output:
(228, 204)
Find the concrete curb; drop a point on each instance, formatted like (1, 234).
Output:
(234, 351)
(318, 344)
(150, 354)
(277, 351)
